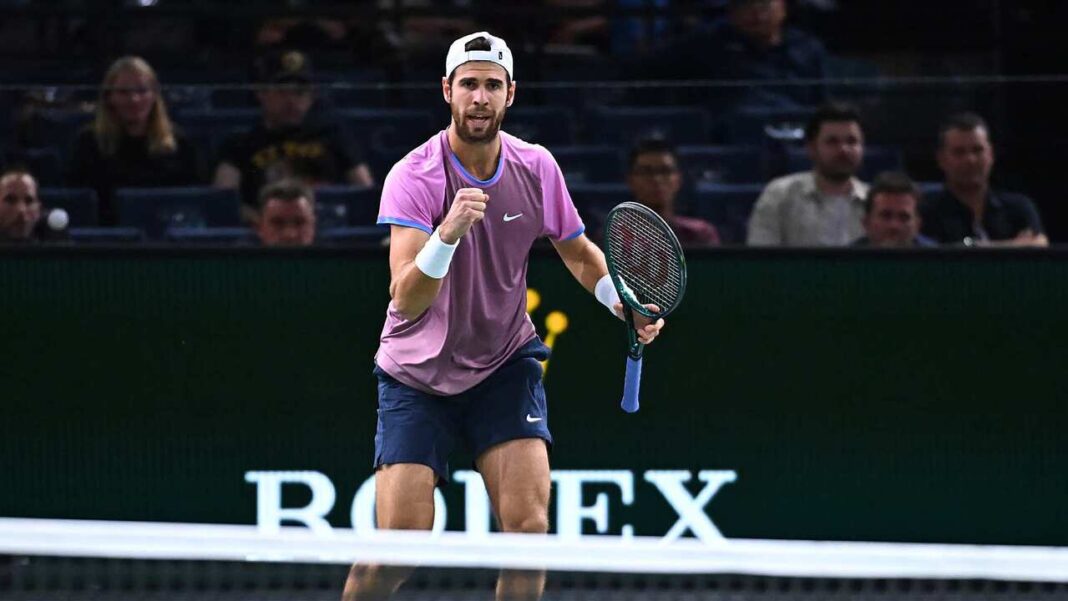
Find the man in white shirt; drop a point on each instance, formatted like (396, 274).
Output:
(822, 207)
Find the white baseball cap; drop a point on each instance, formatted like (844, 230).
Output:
(498, 53)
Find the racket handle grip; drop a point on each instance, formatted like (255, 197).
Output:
(631, 383)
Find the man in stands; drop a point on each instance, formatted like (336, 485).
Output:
(288, 143)
(655, 180)
(968, 211)
(824, 206)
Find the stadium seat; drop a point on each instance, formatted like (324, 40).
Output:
(625, 125)
(81, 204)
(545, 125)
(243, 117)
(187, 97)
(858, 70)
(390, 128)
(590, 164)
(106, 235)
(55, 128)
(727, 206)
(227, 97)
(208, 129)
(593, 202)
(426, 91)
(876, 160)
(45, 164)
(929, 188)
(156, 209)
(367, 235)
(210, 235)
(354, 88)
(340, 206)
(381, 160)
(723, 164)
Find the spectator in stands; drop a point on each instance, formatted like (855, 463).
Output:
(287, 214)
(577, 33)
(131, 142)
(20, 208)
(892, 213)
(288, 143)
(346, 42)
(750, 43)
(638, 34)
(22, 218)
(430, 25)
(824, 206)
(967, 211)
(654, 179)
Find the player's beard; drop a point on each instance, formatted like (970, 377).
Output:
(468, 135)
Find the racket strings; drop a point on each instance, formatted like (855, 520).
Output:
(646, 258)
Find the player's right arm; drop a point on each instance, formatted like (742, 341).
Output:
(413, 252)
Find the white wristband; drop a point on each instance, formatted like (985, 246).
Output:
(605, 291)
(434, 258)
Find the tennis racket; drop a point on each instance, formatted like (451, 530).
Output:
(647, 267)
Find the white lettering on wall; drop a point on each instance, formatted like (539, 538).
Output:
(691, 510)
(571, 513)
(269, 510)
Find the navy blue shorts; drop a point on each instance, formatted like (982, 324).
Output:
(416, 427)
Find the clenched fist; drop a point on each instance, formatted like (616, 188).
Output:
(468, 208)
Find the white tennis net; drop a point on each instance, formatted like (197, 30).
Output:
(200, 561)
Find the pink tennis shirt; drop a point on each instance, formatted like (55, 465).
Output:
(479, 319)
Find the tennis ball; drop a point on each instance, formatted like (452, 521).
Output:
(58, 219)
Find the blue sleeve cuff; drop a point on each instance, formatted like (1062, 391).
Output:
(405, 223)
(577, 233)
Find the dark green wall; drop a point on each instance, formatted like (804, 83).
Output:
(857, 396)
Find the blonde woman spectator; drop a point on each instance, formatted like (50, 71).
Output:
(131, 142)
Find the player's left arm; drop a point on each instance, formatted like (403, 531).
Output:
(586, 262)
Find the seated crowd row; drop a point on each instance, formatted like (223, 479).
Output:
(132, 143)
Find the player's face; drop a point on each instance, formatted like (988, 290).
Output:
(838, 150)
(966, 157)
(19, 207)
(287, 223)
(478, 98)
(132, 97)
(655, 180)
(893, 220)
(285, 106)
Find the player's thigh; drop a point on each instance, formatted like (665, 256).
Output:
(516, 473)
(404, 496)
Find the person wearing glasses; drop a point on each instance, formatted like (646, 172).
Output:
(132, 142)
(654, 179)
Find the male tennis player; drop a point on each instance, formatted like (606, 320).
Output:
(458, 359)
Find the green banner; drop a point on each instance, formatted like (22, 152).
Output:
(805, 395)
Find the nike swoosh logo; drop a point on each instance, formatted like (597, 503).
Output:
(531, 419)
(508, 217)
